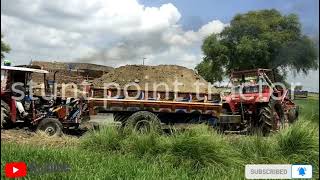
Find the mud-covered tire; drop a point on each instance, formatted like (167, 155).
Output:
(293, 114)
(143, 122)
(5, 114)
(297, 112)
(271, 117)
(51, 127)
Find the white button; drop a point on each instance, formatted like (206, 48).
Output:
(301, 171)
(268, 171)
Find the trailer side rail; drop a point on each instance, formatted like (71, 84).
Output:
(116, 105)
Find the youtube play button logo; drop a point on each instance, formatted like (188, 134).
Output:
(16, 169)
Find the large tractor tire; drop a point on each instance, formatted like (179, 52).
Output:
(50, 126)
(143, 122)
(271, 117)
(293, 114)
(5, 114)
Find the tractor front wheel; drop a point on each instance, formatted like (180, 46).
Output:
(5, 114)
(271, 117)
(51, 127)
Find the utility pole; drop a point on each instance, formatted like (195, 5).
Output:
(143, 60)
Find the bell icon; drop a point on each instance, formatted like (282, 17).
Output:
(302, 171)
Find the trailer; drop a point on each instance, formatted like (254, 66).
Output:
(144, 113)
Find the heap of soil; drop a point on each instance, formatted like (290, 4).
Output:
(70, 65)
(69, 72)
(146, 76)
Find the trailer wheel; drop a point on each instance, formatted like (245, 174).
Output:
(143, 122)
(50, 126)
(271, 117)
(5, 114)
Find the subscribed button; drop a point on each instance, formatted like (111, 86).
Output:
(268, 171)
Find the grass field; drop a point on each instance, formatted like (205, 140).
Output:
(196, 154)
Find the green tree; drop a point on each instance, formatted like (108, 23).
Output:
(5, 48)
(298, 88)
(258, 39)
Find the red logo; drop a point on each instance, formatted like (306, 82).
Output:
(15, 169)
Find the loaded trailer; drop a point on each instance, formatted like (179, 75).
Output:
(160, 109)
(143, 113)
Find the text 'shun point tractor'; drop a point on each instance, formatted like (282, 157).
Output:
(261, 105)
(20, 107)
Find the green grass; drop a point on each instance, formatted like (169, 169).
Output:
(199, 153)
(309, 108)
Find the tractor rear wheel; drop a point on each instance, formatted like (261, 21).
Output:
(5, 114)
(143, 122)
(271, 117)
(50, 126)
(293, 114)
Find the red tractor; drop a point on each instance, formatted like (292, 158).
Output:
(19, 106)
(262, 105)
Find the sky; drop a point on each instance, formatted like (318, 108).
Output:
(120, 32)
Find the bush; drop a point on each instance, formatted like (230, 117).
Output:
(301, 138)
(202, 147)
(105, 139)
(143, 144)
(300, 144)
(255, 149)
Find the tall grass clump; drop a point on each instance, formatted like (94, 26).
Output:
(105, 139)
(144, 144)
(120, 140)
(255, 148)
(300, 142)
(203, 147)
(197, 147)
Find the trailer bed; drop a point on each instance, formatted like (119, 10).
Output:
(98, 105)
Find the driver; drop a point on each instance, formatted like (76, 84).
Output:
(19, 104)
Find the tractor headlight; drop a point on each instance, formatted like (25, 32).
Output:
(263, 99)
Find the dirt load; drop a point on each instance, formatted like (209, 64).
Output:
(70, 65)
(68, 72)
(146, 76)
